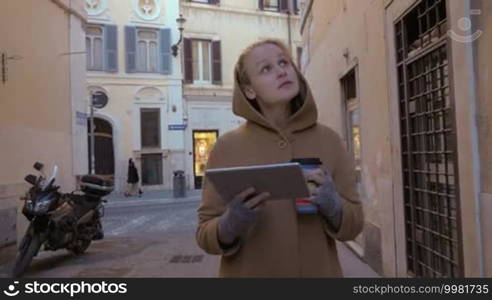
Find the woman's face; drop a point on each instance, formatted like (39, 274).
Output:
(273, 79)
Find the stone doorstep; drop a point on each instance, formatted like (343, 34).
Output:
(7, 253)
(9, 202)
(10, 193)
(8, 220)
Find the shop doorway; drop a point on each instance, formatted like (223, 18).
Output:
(203, 142)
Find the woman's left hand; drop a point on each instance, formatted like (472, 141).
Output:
(315, 179)
(325, 196)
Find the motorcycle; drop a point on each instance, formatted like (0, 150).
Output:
(57, 220)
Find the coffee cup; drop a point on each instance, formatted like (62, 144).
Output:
(306, 205)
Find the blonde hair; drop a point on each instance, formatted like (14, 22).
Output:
(243, 79)
(240, 70)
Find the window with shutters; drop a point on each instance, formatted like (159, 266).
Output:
(202, 61)
(150, 127)
(296, 6)
(147, 50)
(94, 43)
(101, 47)
(206, 1)
(283, 6)
(271, 5)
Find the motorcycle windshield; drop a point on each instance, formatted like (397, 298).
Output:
(49, 182)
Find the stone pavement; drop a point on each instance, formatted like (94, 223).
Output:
(152, 195)
(352, 265)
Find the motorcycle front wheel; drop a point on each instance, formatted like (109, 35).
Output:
(29, 248)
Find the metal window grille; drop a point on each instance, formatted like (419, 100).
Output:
(428, 140)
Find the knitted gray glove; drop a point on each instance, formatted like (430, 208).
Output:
(329, 202)
(241, 214)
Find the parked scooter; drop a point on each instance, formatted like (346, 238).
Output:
(58, 220)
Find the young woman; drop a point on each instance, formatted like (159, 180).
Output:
(261, 238)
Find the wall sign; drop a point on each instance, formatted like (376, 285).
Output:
(177, 127)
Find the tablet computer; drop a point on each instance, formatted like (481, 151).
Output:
(282, 181)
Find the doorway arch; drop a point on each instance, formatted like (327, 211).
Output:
(103, 147)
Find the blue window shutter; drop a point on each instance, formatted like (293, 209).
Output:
(188, 60)
(166, 58)
(216, 63)
(131, 49)
(284, 6)
(111, 48)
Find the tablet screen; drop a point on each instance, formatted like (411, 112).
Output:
(282, 181)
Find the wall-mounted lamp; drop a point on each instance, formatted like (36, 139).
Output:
(180, 22)
(4, 59)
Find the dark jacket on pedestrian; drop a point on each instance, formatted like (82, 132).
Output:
(282, 243)
(132, 173)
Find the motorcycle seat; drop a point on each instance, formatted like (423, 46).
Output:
(96, 185)
(95, 179)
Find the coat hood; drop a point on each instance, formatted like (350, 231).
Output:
(305, 116)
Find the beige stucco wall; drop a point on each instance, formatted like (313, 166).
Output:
(463, 87)
(36, 105)
(483, 63)
(342, 35)
(356, 28)
(484, 89)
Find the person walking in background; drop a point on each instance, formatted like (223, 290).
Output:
(133, 180)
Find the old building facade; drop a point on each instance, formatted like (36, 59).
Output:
(129, 59)
(170, 94)
(42, 115)
(215, 34)
(405, 83)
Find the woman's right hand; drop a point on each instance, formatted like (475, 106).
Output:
(241, 214)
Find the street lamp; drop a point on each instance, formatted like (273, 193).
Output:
(180, 22)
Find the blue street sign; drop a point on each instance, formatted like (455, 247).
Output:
(177, 127)
(81, 118)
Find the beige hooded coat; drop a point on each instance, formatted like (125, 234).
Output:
(282, 243)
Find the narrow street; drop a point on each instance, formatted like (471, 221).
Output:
(147, 237)
(143, 238)
(389, 97)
